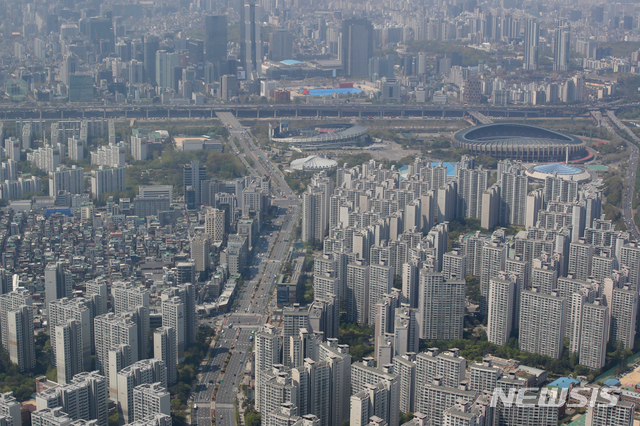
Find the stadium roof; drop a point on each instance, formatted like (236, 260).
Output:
(313, 162)
(561, 169)
(510, 134)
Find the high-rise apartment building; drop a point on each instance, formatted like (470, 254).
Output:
(146, 371)
(624, 311)
(164, 348)
(10, 409)
(440, 306)
(542, 324)
(84, 397)
(139, 148)
(501, 308)
(70, 180)
(128, 297)
(561, 47)
(58, 282)
(380, 283)
(604, 413)
(71, 320)
(110, 331)
(494, 256)
(357, 292)
(630, 257)
(471, 185)
(267, 354)
(594, 335)
(454, 265)
(187, 294)
(431, 364)
(105, 180)
(21, 344)
(580, 255)
(150, 399)
(173, 316)
(16, 326)
(513, 196)
(314, 222)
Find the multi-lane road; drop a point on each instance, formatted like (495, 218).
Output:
(629, 190)
(254, 303)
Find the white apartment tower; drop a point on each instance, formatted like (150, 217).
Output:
(16, 325)
(440, 306)
(454, 264)
(164, 348)
(150, 399)
(542, 326)
(173, 316)
(58, 282)
(380, 283)
(267, 354)
(146, 371)
(624, 310)
(494, 255)
(110, 331)
(71, 354)
(70, 180)
(128, 297)
(502, 291)
(357, 292)
(630, 257)
(595, 335)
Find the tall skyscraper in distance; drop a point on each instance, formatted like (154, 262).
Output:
(357, 46)
(151, 46)
(531, 41)
(561, 47)
(215, 42)
(251, 43)
(165, 61)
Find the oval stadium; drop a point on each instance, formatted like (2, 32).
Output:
(326, 136)
(530, 144)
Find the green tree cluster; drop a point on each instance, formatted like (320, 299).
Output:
(359, 339)
(193, 356)
(23, 384)
(477, 346)
(251, 417)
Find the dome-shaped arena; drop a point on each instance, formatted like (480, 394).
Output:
(563, 171)
(313, 163)
(530, 144)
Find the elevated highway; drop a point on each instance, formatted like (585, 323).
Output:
(277, 111)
